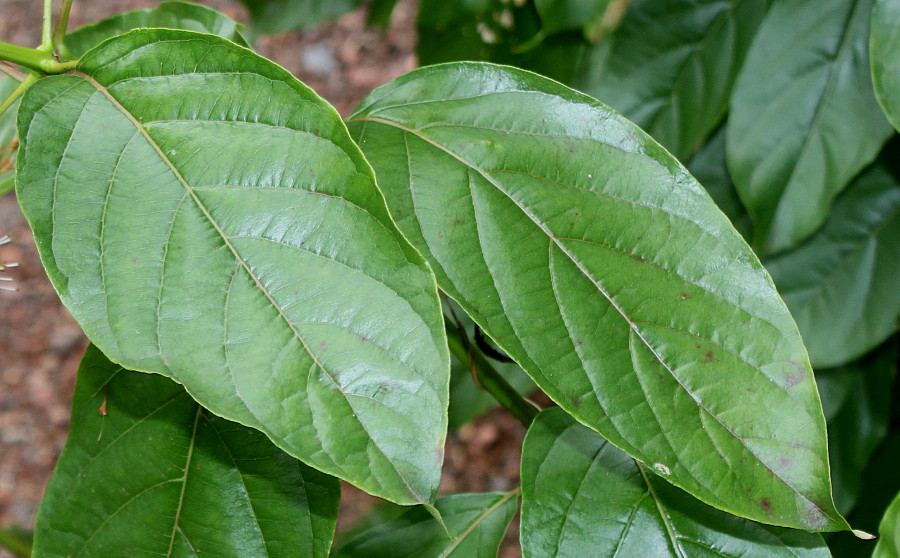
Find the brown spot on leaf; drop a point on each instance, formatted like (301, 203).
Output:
(457, 222)
(323, 345)
(684, 296)
(708, 356)
(766, 506)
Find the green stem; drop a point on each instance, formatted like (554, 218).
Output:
(487, 376)
(59, 33)
(34, 59)
(47, 27)
(17, 92)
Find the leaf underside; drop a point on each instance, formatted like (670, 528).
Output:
(583, 497)
(596, 262)
(205, 216)
(147, 472)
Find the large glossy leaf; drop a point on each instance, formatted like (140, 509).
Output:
(275, 16)
(594, 260)
(884, 50)
(841, 286)
(7, 136)
(671, 65)
(857, 403)
(804, 119)
(205, 216)
(476, 524)
(148, 472)
(889, 532)
(583, 497)
(170, 15)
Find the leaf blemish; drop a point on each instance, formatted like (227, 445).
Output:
(708, 356)
(766, 506)
(684, 296)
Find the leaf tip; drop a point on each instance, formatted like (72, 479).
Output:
(863, 535)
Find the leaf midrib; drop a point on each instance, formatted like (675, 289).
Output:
(140, 128)
(631, 324)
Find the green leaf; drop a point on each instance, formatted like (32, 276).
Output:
(857, 403)
(148, 472)
(709, 168)
(467, 400)
(476, 523)
(671, 65)
(205, 216)
(884, 50)
(583, 497)
(562, 15)
(16, 541)
(169, 15)
(804, 119)
(593, 259)
(889, 532)
(841, 285)
(7, 136)
(379, 13)
(277, 16)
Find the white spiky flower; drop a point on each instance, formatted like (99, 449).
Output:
(4, 266)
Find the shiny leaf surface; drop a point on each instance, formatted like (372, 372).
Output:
(583, 497)
(841, 285)
(671, 65)
(476, 525)
(148, 472)
(169, 15)
(205, 216)
(594, 260)
(803, 119)
(884, 50)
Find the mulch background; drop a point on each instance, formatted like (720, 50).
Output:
(41, 345)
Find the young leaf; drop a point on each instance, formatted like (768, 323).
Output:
(477, 523)
(671, 65)
(857, 403)
(889, 533)
(583, 497)
(884, 50)
(803, 116)
(276, 16)
(147, 471)
(205, 216)
(170, 15)
(593, 259)
(841, 285)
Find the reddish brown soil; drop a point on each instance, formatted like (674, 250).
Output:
(40, 344)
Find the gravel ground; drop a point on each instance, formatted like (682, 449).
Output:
(41, 345)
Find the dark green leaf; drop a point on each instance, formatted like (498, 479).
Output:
(671, 65)
(857, 403)
(592, 257)
(148, 472)
(889, 532)
(583, 497)
(205, 216)
(841, 286)
(379, 14)
(709, 168)
(884, 48)
(276, 16)
(803, 116)
(562, 15)
(170, 15)
(476, 524)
